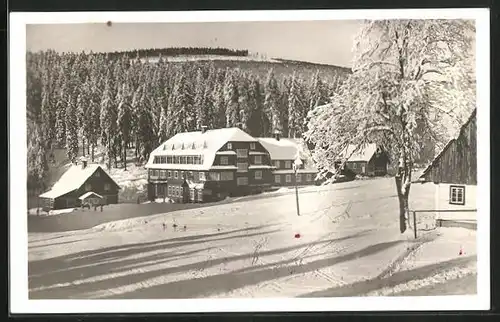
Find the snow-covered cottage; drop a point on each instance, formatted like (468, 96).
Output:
(368, 160)
(283, 152)
(454, 173)
(78, 181)
(208, 165)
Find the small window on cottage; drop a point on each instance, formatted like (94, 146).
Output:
(299, 177)
(457, 195)
(277, 178)
(252, 146)
(97, 174)
(258, 175)
(288, 178)
(202, 176)
(308, 177)
(224, 160)
(258, 159)
(229, 146)
(88, 187)
(277, 164)
(169, 174)
(288, 164)
(176, 175)
(107, 187)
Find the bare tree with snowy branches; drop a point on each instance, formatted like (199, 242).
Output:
(411, 79)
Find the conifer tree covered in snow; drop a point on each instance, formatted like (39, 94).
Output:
(231, 99)
(124, 120)
(71, 129)
(164, 98)
(296, 108)
(258, 124)
(408, 82)
(318, 92)
(199, 100)
(271, 102)
(108, 122)
(244, 102)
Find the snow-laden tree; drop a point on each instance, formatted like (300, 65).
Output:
(318, 92)
(231, 99)
(71, 130)
(244, 101)
(108, 122)
(124, 120)
(410, 79)
(296, 108)
(271, 101)
(199, 99)
(219, 106)
(258, 122)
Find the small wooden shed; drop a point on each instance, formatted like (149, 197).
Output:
(91, 199)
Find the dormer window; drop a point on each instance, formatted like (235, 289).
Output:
(252, 146)
(229, 146)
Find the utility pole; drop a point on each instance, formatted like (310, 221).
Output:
(296, 166)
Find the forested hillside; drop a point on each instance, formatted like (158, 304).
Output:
(83, 101)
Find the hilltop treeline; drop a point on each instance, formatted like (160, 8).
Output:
(81, 101)
(177, 51)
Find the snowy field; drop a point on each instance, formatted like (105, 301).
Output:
(348, 235)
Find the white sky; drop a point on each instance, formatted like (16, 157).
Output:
(328, 42)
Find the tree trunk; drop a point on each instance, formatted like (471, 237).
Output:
(93, 155)
(109, 154)
(403, 203)
(125, 157)
(83, 146)
(88, 147)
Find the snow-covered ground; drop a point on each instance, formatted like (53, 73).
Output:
(348, 232)
(134, 176)
(445, 265)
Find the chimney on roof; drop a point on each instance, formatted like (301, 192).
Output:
(203, 128)
(277, 135)
(239, 125)
(84, 163)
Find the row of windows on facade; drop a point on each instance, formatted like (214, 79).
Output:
(193, 146)
(88, 186)
(194, 159)
(288, 178)
(202, 176)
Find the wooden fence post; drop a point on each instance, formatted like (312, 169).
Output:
(415, 224)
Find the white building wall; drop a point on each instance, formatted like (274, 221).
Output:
(442, 202)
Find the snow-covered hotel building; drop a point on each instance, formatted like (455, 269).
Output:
(283, 152)
(209, 165)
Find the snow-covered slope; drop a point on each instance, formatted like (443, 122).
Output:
(346, 233)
